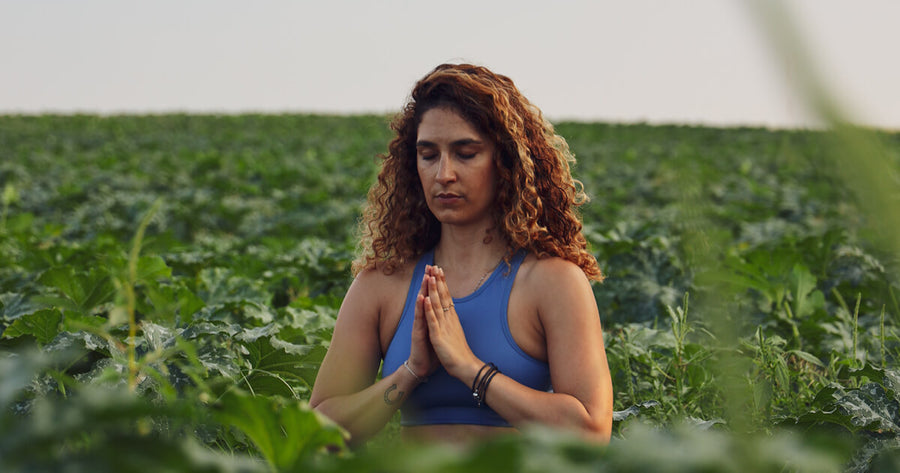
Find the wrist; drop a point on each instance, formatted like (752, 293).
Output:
(482, 381)
(468, 371)
(419, 378)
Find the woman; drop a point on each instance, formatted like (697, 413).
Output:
(473, 284)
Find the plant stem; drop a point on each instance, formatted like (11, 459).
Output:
(840, 299)
(856, 326)
(883, 359)
(794, 331)
(130, 298)
(630, 374)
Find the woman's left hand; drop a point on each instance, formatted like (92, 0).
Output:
(444, 329)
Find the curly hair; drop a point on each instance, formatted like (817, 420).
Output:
(536, 198)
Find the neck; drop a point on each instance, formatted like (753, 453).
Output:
(468, 251)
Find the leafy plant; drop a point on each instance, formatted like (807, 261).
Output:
(219, 313)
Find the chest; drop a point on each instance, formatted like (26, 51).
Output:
(522, 318)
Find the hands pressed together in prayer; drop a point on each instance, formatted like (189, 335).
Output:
(437, 335)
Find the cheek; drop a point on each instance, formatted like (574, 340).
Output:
(420, 172)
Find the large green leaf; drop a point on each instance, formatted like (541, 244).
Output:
(43, 325)
(279, 367)
(221, 286)
(870, 408)
(151, 268)
(807, 298)
(286, 432)
(168, 301)
(81, 290)
(14, 305)
(98, 429)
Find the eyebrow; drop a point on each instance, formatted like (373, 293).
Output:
(462, 142)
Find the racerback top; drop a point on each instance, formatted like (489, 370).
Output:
(483, 316)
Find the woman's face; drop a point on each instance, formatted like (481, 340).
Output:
(456, 168)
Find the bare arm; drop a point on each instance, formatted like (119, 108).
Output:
(365, 412)
(345, 390)
(582, 397)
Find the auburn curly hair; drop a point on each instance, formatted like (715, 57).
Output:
(536, 195)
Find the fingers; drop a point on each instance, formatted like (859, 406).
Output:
(423, 288)
(443, 290)
(437, 291)
(422, 356)
(430, 316)
(419, 315)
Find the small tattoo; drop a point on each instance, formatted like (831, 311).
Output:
(387, 395)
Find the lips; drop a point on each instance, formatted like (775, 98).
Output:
(448, 198)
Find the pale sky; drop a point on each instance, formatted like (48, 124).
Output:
(657, 61)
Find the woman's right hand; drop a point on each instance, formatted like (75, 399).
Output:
(422, 358)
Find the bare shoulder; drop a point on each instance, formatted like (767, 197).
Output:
(375, 283)
(550, 274)
(557, 288)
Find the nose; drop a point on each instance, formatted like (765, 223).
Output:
(445, 172)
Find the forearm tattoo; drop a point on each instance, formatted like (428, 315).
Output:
(387, 395)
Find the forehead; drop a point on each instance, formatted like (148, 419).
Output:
(444, 123)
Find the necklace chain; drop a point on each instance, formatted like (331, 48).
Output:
(478, 284)
(485, 275)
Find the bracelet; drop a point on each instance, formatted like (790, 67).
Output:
(486, 384)
(475, 381)
(480, 383)
(423, 379)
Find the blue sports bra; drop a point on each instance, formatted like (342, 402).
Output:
(483, 315)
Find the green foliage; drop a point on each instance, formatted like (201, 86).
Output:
(287, 433)
(169, 285)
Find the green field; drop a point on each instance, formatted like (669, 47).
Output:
(168, 287)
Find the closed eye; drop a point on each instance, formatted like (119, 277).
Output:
(426, 151)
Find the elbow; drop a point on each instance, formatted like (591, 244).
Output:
(596, 428)
(318, 397)
(315, 402)
(591, 425)
(320, 406)
(598, 421)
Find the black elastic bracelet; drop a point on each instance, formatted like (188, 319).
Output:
(475, 381)
(484, 378)
(487, 373)
(487, 383)
(478, 387)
